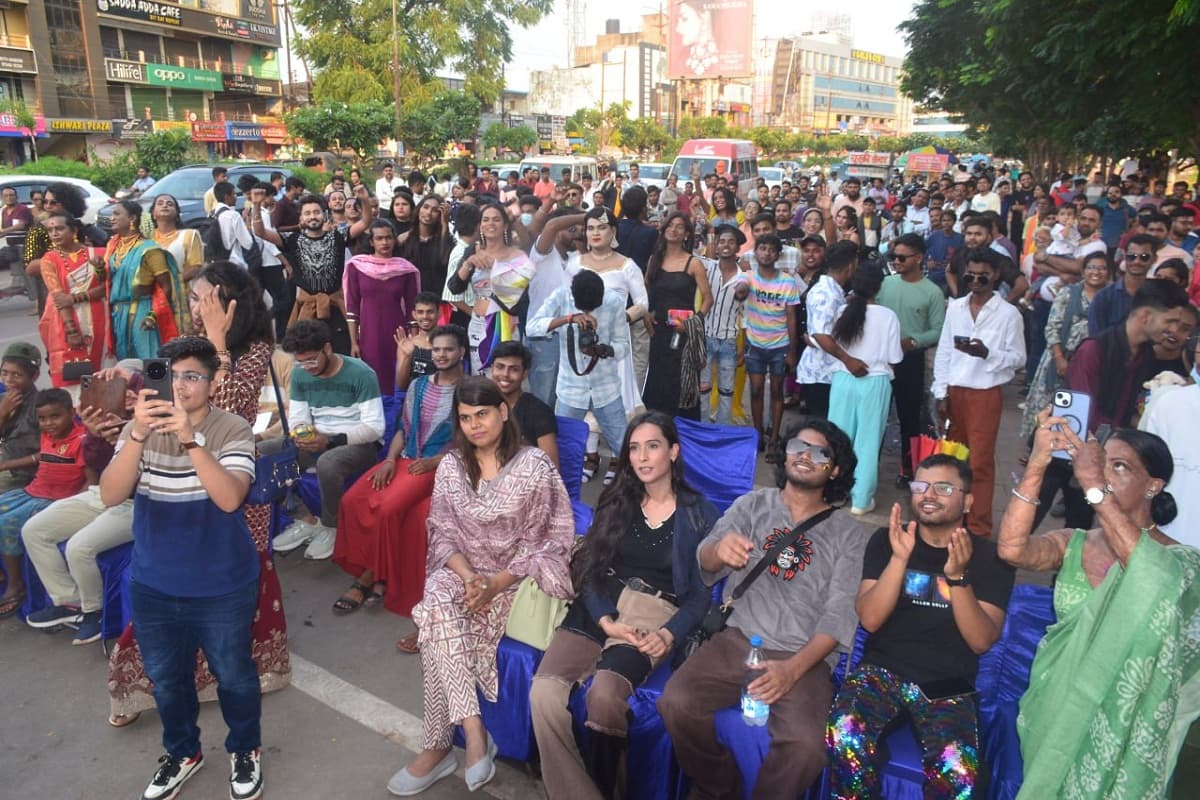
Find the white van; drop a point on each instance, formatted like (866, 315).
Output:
(578, 166)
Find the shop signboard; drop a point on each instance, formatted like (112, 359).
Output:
(251, 21)
(206, 131)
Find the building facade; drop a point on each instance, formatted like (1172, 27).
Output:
(823, 84)
(101, 71)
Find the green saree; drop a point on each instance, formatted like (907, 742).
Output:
(1114, 686)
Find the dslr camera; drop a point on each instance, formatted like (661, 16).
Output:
(590, 344)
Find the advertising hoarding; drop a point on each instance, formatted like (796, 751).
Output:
(710, 39)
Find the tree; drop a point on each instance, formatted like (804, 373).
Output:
(163, 152)
(425, 128)
(335, 126)
(501, 137)
(703, 127)
(350, 44)
(643, 135)
(25, 119)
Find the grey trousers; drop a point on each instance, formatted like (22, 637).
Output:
(334, 466)
(90, 529)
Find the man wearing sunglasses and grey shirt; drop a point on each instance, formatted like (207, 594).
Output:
(802, 605)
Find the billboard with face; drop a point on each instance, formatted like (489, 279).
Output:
(710, 39)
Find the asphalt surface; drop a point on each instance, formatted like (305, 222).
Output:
(350, 719)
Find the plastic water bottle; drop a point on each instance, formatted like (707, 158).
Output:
(754, 712)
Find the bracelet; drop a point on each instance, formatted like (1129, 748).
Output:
(133, 438)
(1025, 499)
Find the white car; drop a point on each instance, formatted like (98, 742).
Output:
(95, 197)
(772, 175)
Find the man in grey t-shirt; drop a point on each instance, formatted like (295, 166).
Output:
(802, 606)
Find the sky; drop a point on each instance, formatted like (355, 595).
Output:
(873, 27)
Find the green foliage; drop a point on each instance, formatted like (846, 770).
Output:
(115, 173)
(426, 128)
(314, 181)
(352, 40)
(53, 165)
(644, 136)
(1057, 83)
(703, 128)
(25, 118)
(162, 152)
(501, 137)
(335, 126)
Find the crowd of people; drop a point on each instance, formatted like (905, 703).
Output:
(425, 346)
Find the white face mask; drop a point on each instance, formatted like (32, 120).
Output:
(527, 219)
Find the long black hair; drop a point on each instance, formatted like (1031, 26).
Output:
(251, 320)
(620, 501)
(1156, 457)
(478, 390)
(865, 285)
(659, 253)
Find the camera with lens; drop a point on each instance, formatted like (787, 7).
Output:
(589, 344)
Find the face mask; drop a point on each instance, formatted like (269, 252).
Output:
(527, 219)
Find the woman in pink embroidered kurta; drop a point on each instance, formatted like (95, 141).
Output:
(499, 514)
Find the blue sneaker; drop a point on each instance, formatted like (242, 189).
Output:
(89, 628)
(55, 617)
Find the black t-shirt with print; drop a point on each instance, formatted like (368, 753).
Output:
(534, 418)
(920, 641)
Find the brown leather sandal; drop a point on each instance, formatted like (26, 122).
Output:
(409, 644)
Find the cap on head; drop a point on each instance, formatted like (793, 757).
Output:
(25, 353)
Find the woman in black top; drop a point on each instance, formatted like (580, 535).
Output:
(639, 594)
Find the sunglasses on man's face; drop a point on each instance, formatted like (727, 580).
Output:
(976, 277)
(817, 454)
(1146, 257)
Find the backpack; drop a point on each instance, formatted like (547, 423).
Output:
(215, 249)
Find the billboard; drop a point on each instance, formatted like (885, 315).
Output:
(710, 39)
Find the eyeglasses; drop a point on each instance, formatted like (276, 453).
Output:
(1146, 257)
(901, 256)
(976, 277)
(816, 453)
(189, 377)
(941, 488)
(308, 363)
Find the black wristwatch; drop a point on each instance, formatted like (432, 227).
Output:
(965, 580)
(336, 440)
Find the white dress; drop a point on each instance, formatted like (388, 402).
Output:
(628, 281)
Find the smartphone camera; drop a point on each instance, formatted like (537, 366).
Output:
(157, 373)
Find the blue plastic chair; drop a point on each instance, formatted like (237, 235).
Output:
(572, 448)
(718, 460)
(114, 572)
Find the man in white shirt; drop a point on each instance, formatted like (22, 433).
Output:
(274, 274)
(234, 233)
(386, 186)
(1169, 415)
(918, 213)
(562, 234)
(981, 346)
(985, 199)
(822, 304)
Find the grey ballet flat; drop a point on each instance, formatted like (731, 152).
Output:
(405, 784)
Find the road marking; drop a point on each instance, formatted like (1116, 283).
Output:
(394, 723)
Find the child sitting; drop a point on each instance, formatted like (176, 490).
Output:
(60, 473)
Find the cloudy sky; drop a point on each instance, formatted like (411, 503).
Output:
(873, 25)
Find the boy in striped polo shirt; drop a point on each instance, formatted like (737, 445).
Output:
(195, 571)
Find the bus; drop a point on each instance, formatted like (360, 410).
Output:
(700, 157)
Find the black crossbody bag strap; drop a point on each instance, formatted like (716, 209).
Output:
(773, 553)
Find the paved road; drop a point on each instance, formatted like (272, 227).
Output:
(349, 720)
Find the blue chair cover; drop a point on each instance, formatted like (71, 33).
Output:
(718, 460)
(572, 447)
(1002, 680)
(114, 572)
(509, 720)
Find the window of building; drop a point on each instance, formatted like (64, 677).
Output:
(69, 56)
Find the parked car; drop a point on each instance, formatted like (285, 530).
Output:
(25, 185)
(188, 185)
(773, 175)
(791, 169)
(652, 173)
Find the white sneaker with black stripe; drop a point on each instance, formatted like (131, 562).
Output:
(245, 775)
(170, 775)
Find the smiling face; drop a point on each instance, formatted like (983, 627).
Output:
(676, 231)
(55, 420)
(508, 372)
(425, 315)
(430, 212)
(934, 509)
(808, 460)
(727, 245)
(813, 223)
(312, 217)
(1095, 271)
(650, 455)
(445, 353)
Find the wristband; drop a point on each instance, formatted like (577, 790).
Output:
(136, 439)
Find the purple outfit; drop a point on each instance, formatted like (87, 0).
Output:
(379, 296)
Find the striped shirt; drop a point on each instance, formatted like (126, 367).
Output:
(60, 466)
(183, 545)
(725, 318)
(766, 308)
(346, 402)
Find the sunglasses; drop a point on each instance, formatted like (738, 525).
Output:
(817, 454)
(1146, 257)
(975, 277)
(941, 488)
(900, 257)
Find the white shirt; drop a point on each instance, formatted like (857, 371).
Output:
(822, 303)
(551, 274)
(919, 217)
(1168, 415)
(986, 202)
(233, 232)
(959, 210)
(384, 189)
(879, 345)
(725, 318)
(1001, 329)
(270, 251)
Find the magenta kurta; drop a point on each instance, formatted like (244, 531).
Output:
(520, 521)
(379, 296)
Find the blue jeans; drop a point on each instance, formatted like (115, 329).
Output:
(169, 630)
(761, 361)
(611, 418)
(543, 374)
(723, 354)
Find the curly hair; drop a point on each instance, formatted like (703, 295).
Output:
(837, 489)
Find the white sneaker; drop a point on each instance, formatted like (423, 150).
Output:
(321, 546)
(293, 536)
(858, 512)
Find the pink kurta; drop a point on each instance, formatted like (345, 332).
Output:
(520, 521)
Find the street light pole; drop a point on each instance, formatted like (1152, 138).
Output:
(396, 68)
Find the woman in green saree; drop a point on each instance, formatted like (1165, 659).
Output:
(147, 300)
(1115, 684)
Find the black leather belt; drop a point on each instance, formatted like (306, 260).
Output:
(639, 585)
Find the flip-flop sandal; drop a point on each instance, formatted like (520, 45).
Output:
(11, 606)
(609, 477)
(591, 463)
(377, 594)
(345, 604)
(409, 644)
(122, 720)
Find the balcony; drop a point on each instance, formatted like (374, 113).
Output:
(14, 40)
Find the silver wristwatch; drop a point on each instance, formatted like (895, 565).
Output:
(1095, 495)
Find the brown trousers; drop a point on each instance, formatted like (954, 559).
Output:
(975, 421)
(711, 680)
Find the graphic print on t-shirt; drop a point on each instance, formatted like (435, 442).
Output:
(925, 589)
(791, 559)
